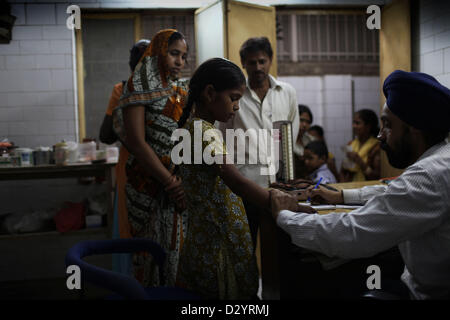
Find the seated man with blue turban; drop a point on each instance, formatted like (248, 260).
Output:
(413, 211)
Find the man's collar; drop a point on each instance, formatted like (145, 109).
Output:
(431, 150)
(274, 83)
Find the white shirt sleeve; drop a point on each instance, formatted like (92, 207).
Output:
(411, 205)
(293, 114)
(362, 195)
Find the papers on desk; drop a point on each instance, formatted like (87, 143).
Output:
(330, 206)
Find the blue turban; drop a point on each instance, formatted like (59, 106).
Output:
(418, 99)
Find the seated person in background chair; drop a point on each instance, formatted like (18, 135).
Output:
(316, 156)
(303, 138)
(413, 211)
(317, 132)
(363, 153)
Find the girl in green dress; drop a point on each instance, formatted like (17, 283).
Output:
(217, 259)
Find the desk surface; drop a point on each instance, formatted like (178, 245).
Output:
(275, 244)
(354, 185)
(54, 171)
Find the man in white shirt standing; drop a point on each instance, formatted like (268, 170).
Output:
(413, 211)
(265, 101)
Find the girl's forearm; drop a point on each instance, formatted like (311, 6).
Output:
(244, 187)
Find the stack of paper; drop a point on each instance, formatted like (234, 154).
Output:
(330, 206)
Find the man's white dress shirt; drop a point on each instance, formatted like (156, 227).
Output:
(413, 212)
(280, 103)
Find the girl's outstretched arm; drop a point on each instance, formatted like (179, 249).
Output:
(243, 187)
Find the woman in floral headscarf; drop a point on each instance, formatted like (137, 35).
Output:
(148, 112)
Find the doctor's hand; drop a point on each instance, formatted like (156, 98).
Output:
(324, 195)
(283, 201)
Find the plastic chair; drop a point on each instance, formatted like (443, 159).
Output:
(125, 287)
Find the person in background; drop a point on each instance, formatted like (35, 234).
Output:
(413, 211)
(217, 258)
(303, 138)
(362, 160)
(265, 101)
(317, 133)
(148, 113)
(316, 156)
(108, 136)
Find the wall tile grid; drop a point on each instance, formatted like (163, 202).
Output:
(330, 100)
(36, 74)
(431, 54)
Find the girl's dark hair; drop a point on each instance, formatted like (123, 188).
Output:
(222, 74)
(136, 52)
(176, 36)
(369, 118)
(319, 148)
(302, 108)
(317, 129)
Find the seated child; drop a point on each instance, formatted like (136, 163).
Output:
(316, 157)
(317, 132)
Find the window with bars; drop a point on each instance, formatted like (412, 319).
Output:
(326, 37)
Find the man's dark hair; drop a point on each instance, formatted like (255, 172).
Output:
(303, 108)
(317, 129)
(319, 148)
(253, 45)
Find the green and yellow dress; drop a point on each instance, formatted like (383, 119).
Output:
(217, 258)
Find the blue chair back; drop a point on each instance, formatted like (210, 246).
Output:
(124, 285)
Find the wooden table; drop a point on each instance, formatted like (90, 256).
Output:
(40, 255)
(76, 170)
(276, 249)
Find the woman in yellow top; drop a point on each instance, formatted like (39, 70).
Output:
(363, 153)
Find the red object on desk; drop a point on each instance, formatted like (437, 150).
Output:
(388, 180)
(71, 217)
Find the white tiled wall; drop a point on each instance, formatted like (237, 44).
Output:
(36, 76)
(330, 100)
(431, 51)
